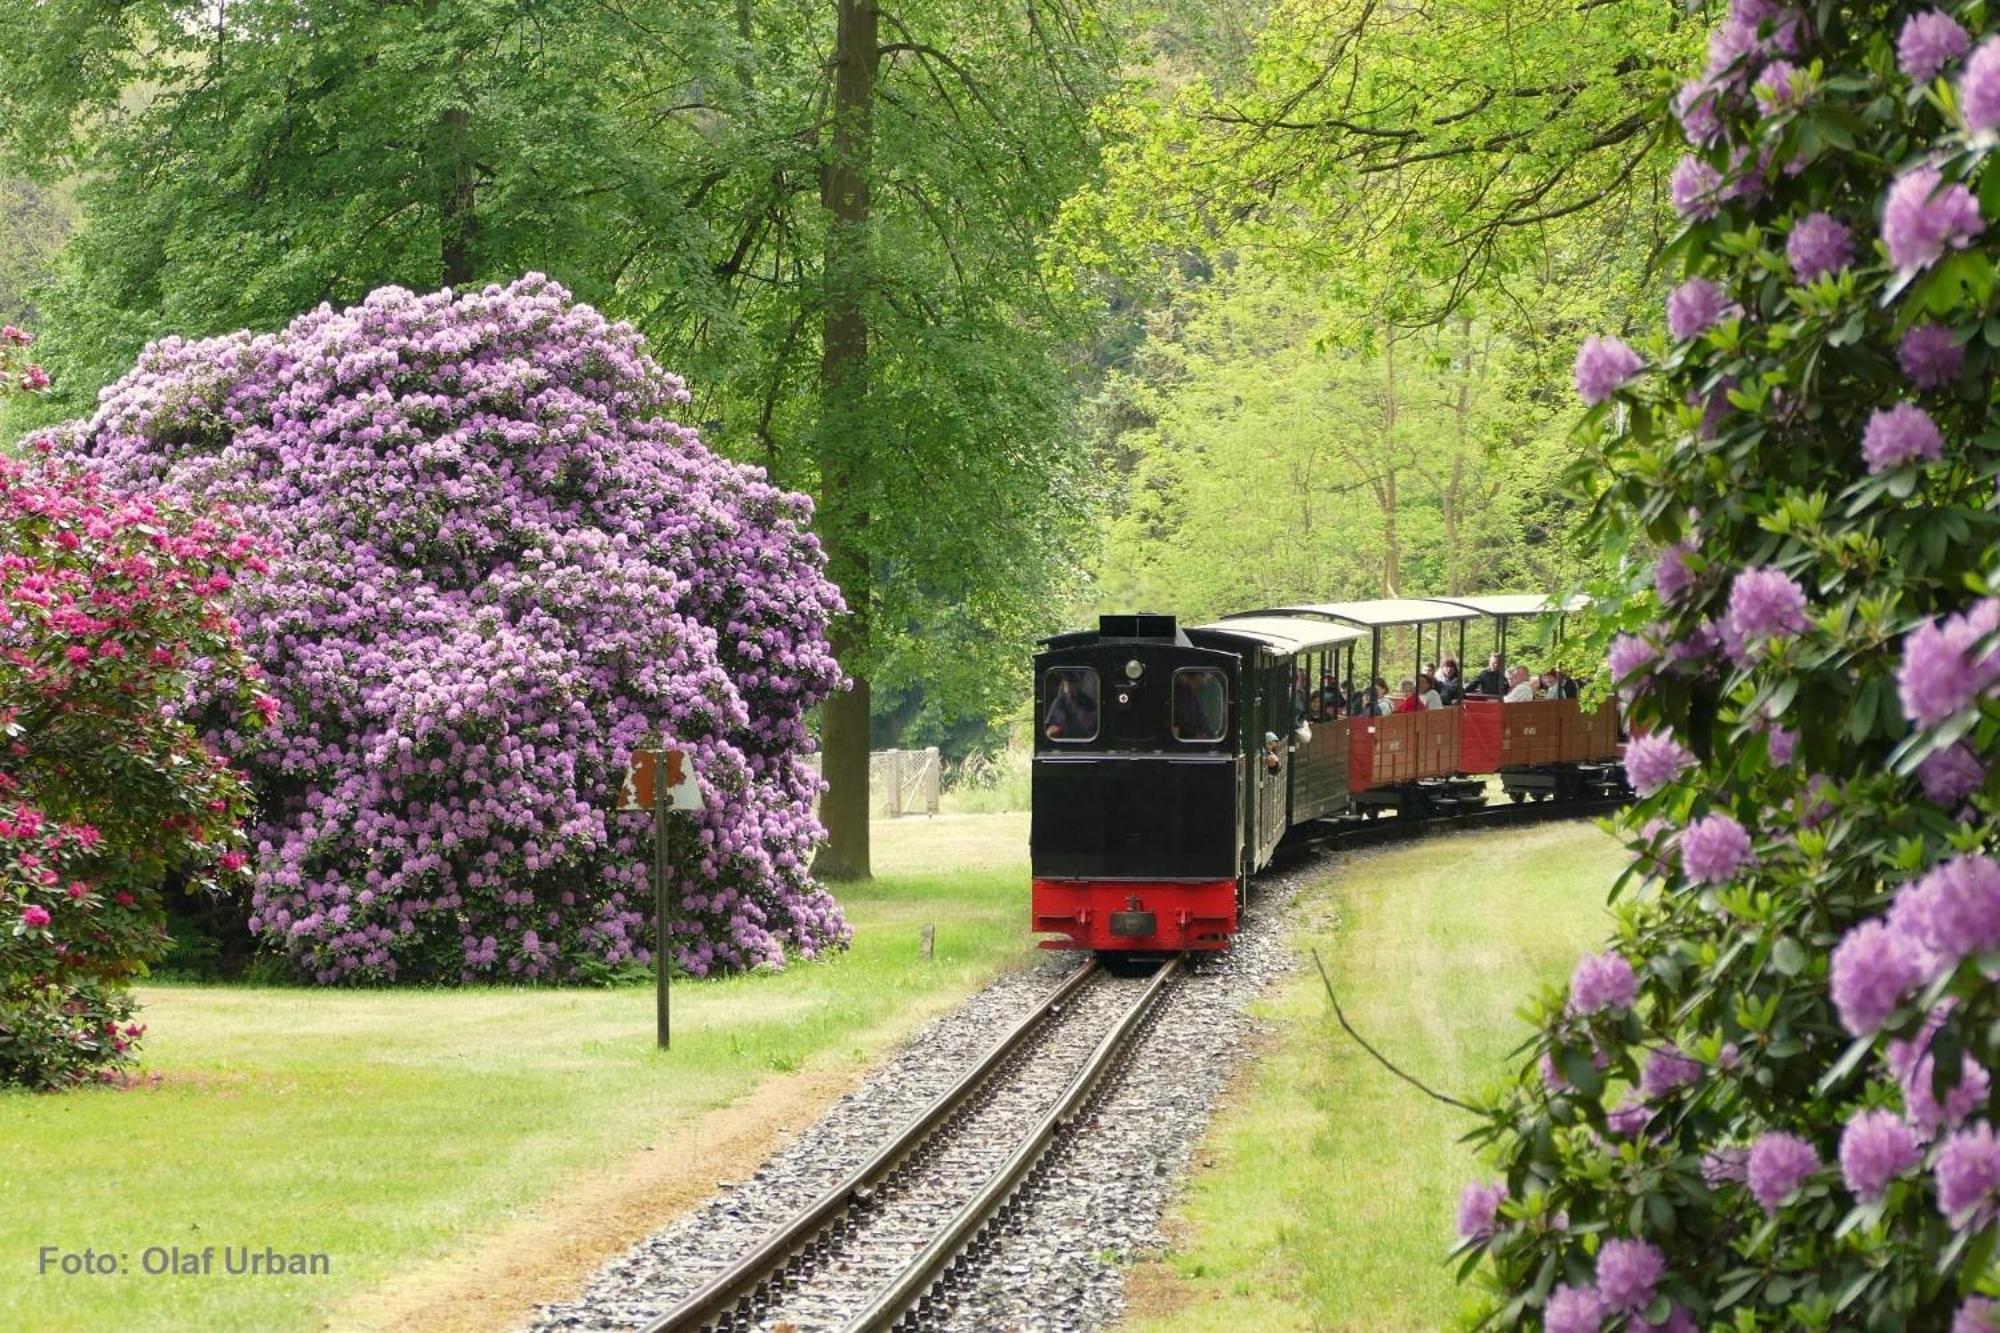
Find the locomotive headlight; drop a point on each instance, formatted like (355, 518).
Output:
(1134, 669)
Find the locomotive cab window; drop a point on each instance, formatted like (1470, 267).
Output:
(1201, 707)
(1069, 710)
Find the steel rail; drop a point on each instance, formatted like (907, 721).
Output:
(922, 1272)
(720, 1296)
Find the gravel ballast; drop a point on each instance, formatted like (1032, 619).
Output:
(1098, 1205)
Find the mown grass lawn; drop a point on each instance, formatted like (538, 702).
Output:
(381, 1127)
(1331, 1198)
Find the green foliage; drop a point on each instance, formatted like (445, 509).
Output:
(1837, 968)
(663, 162)
(1280, 448)
(1424, 152)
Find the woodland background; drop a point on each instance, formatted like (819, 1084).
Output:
(1053, 306)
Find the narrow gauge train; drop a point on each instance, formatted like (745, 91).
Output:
(1171, 761)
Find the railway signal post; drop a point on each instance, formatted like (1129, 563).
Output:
(660, 780)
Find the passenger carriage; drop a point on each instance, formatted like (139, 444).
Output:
(1170, 762)
(1148, 821)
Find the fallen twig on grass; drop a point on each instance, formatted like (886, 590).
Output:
(1380, 1058)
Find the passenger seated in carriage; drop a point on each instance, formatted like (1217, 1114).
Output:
(1406, 698)
(1451, 690)
(1522, 686)
(1427, 691)
(1492, 681)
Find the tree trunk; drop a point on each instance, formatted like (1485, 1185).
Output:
(1454, 490)
(1392, 553)
(458, 217)
(843, 441)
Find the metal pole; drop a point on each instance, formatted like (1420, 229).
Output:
(662, 967)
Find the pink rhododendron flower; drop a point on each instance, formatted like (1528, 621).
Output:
(1603, 366)
(1900, 434)
(1696, 306)
(1875, 1148)
(1968, 1175)
(1654, 760)
(1479, 1209)
(1819, 244)
(1930, 355)
(1574, 1310)
(1925, 217)
(1628, 1272)
(1942, 670)
(1979, 88)
(35, 917)
(1927, 43)
(1874, 969)
(1714, 849)
(1602, 981)
(1695, 188)
(1779, 1163)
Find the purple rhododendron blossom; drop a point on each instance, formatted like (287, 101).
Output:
(1780, 85)
(1666, 1070)
(1901, 434)
(1819, 244)
(1628, 657)
(1695, 188)
(1713, 849)
(1695, 109)
(1725, 1166)
(1939, 674)
(1603, 365)
(1968, 1175)
(1951, 774)
(1779, 1163)
(1924, 217)
(1979, 88)
(1696, 306)
(1782, 742)
(1765, 603)
(1930, 355)
(1628, 1272)
(504, 568)
(1574, 1310)
(1915, 1071)
(1874, 968)
(1928, 42)
(1479, 1209)
(1955, 908)
(1654, 760)
(1671, 575)
(1977, 1315)
(1602, 981)
(1875, 1148)
(1629, 1118)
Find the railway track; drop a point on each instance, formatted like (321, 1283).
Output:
(885, 1247)
(868, 1252)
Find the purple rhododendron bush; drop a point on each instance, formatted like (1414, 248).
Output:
(107, 604)
(503, 568)
(1769, 1102)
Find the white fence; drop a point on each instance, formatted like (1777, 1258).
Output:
(900, 782)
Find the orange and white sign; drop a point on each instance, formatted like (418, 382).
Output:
(652, 767)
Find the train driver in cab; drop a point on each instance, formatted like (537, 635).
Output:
(1198, 705)
(1072, 714)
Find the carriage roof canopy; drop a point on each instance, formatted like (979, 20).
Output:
(1380, 612)
(1287, 634)
(1517, 603)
